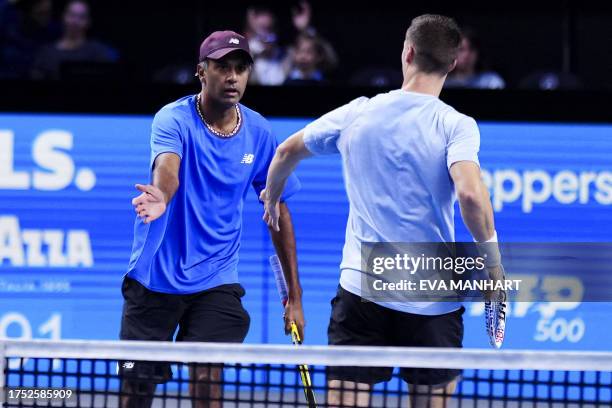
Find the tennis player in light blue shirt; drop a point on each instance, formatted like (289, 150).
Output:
(406, 158)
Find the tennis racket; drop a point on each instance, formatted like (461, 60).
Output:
(495, 317)
(281, 285)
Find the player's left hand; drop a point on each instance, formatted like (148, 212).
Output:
(271, 210)
(294, 313)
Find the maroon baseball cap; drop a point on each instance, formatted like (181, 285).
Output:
(220, 43)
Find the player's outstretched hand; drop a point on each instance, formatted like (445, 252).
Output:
(271, 210)
(149, 205)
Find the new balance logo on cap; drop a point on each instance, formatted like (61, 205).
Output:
(247, 158)
(220, 43)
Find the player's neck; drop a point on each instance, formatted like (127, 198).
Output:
(218, 115)
(424, 83)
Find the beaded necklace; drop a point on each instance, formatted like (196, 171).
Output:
(215, 131)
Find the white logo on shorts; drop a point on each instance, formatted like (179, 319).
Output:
(234, 40)
(128, 365)
(247, 158)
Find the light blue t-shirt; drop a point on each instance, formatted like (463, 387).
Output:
(194, 245)
(396, 151)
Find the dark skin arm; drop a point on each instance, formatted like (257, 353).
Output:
(151, 204)
(284, 243)
(276, 214)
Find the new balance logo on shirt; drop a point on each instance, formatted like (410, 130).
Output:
(247, 158)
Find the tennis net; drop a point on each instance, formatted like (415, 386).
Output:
(111, 374)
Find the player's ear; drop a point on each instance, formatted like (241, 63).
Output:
(201, 72)
(410, 54)
(453, 65)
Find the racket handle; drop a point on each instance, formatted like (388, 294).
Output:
(295, 334)
(279, 277)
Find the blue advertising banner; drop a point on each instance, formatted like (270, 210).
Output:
(66, 225)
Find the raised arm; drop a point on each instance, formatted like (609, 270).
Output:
(151, 204)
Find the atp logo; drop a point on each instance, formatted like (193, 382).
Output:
(247, 158)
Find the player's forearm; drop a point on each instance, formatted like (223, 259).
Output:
(166, 179)
(284, 243)
(477, 212)
(287, 156)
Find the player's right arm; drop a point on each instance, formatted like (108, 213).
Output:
(151, 204)
(166, 154)
(319, 137)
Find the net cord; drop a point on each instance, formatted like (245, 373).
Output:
(313, 355)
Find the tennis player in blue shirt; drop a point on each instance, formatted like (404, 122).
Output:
(207, 150)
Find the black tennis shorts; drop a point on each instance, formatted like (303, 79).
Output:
(213, 315)
(355, 322)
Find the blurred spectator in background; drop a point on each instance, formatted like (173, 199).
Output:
(470, 71)
(25, 26)
(311, 57)
(177, 73)
(377, 76)
(551, 80)
(270, 60)
(4, 6)
(273, 63)
(73, 46)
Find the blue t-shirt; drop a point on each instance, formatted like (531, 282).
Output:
(194, 245)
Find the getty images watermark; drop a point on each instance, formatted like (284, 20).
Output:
(458, 265)
(404, 272)
(560, 272)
